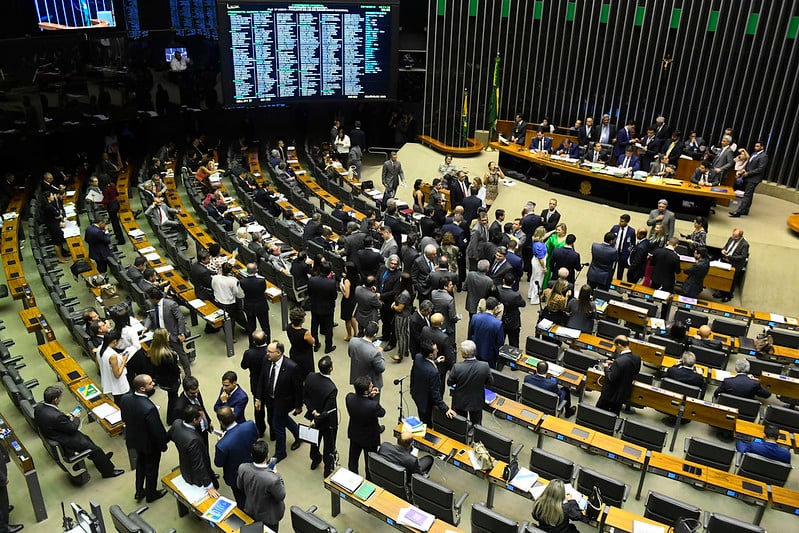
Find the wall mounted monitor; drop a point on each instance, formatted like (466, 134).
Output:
(74, 14)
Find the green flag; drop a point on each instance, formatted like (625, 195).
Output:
(493, 102)
(465, 117)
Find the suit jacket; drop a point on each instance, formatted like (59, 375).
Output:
(420, 272)
(237, 401)
(693, 285)
(431, 335)
(723, 161)
(622, 142)
(400, 456)
(174, 321)
(710, 176)
(368, 305)
(426, 385)
(319, 394)
(180, 406)
(358, 137)
(517, 265)
(543, 144)
(739, 255)
(565, 257)
(392, 174)
(254, 288)
(368, 261)
(478, 286)
(743, 386)
(603, 258)
(587, 135)
(57, 426)
(498, 271)
(469, 378)
(686, 375)
(364, 426)
(366, 360)
(572, 151)
(611, 133)
(456, 194)
(200, 276)
(135, 274)
(254, 360)
(457, 232)
(511, 301)
(415, 326)
(388, 287)
(487, 333)
(552, 221)
(634, 165)
(755, 168)
(470, 206)
(542, 382)
(99, 243)
(144, 431)
(619, 378)
(322, 293)
(288, 388)
(676, 151)
(629, 240)
(667, 224)
(235, 449)
(667, 265)
(592, 156)
(195, 463)
(426, 226)
(519, 131)
(444, 303)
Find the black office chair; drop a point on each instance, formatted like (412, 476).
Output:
(389, 476)
(785, 337)
(709, 453)
(610, 330)
(732, 328)
(499, 446)
(437, 499)
(709, 357)
(747, 409)
(505, 385)
(757, 366)
(783, 418)
(132, 522)
(308, 522)
(550, 466)
(681, 388)
(541, 399)
(673, 348)
(764, 469)
(667, 510)
(697, 319)
(597, 419)
(645, 435)
(643, 377)
(719, 523)
(484, 520)
(541, 349)
(457, 427)
(614, 492)
(578, 360)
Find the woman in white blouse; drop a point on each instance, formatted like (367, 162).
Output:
(227, 292)
(113, 371)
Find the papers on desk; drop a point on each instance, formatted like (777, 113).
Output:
(146, 250)
(290, 148)
(71, 229)
(657, 323)
(346, 479)
(111, 414)
(545, 324)
(720, 264)
(215, 177)
(687, 259)
(292, 161)
(365, 491)
(147, 337)
(374, 193)
(415, 518)
(235, 209)
(152, 256)
(216, 315)
(300, 172)
(564, 158)
(9, 216)
(219, 510)
(569, 333)
(69, 210)
(629, 306)
(254, 227)
(672, 181)
(508, 183)
(524, 479)
(536, 491)
(503, 140)
(640, 175)
(776, 318)
(309, 434)
(196, 303)
(164, 268)
(646, 527)
(661, 295)
(273, 292)
(555, 370)
(721, 375)
(686, 300)
(191, 493)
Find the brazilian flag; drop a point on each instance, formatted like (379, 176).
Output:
(465, 118)
(493, 102)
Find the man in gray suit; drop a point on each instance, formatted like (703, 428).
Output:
(663, 216)
(724, 159)
(469, 378)
(444, 302)
(391, 177)
(752, 174)
(366, 359)
(167, 314)
(263, 487)
(478, 286)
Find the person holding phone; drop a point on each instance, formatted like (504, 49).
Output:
(263, 487)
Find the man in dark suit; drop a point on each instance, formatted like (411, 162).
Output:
(322, 293)
(586, 134)
(603, 259)
(541, 143)
(501, 266)
(511, 301)
(233, 396)
(694, 283)
(459, 189)
(471, 204)
(606, 132)
(136, 271)
(99, 243)
(280, 391)
(753, 173)
(234, 448)
(486, 331)
(566, 257)
(638, 256)
(192, 396)
(686, 372)
(144, 434)
(320, 397)
(519, 130)
(255, 305)
(5, 508)
(418, 321)
(467, 380)
(368, 259)
(623, 137)
(649, 149)
(200, 276)
(619, 375)
(167, 314)
(388, 278)
(550, 216)
(358, 136)
(434, 334)
(253, 360)
(427, 223)
(542, 381)
(400, 455)
(64, 429)
(742, 384)
(391, 176)
(625, 237)
(597, 154)
(426, 384)
(195, 463)
(704, 338)
(667, 265)
(421, 269)
(516, 262)
(628, 161)
(568, 148)
(364, 428)
(672, 148)
(736, 253)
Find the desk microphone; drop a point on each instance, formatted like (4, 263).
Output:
(399, 380)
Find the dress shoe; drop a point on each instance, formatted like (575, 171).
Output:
(296, 445)
(330, 349)
(570, 411)
(139, 496)
(390, 346)
(397, 358)
(735, 215)
(13, 528)
(718, 294)
(157, 496)
(316, 347)
(116, 473)
(315, 464)
(109, 455)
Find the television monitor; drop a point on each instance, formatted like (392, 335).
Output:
(170, 52)
(194, 17)
(74, 14)
(278, 51)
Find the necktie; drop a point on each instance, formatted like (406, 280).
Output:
(463, 188)
(496, 267)
(620, 244)
(160, 314)
(272, 380)
(430, 265)
(671, 146)
(160, 214)
(383, 280)
(596, 156)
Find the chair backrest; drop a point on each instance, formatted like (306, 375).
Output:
(673, 347)
(596, 419)
(614, 492)
(122, 521)
(652, 309)
(456, 427)
(541, 399)
(785, 337)
(697, 319)
(541, 349)
(747, 409)
(783, 418)
(733, 328)
(645, 435)
(667, 510)
(389, 476)
(485, 520)
(505, 385)
(578, 360)
(680, 387)
(550, 466)
(764, 469)
(709, 453)
(610, 330)
(499, 446)
(306, 522)
(643, 377)
(434, 498)
(719, 523)
(710, 357)
(757, 366)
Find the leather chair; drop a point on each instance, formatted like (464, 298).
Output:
(785, 337)
(456, 427)
(764, 469)
(719, 523)
(747, 409)
(610, 330)
(578, 360)
(541, 349)
(485, 520)
(550, 466)
(614, 492)
(499, 446)
(541, 399)
(782, 417)
(732, 328)
(756, 366)
(645, 435)
(131, 522)
(709, 357)
(505, 385)
(709, 453)
(667, 510)
(697, 319)
(389, 476)
(681, 388)
(597, 419)
(437, 499)
(308, 522)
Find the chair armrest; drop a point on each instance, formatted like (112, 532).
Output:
(617, 426)
(523, 526)
(515, 451)
(141, 509)
(31, 383)
(459, 502)
(77, 457)
(626, 492)
(312, 509)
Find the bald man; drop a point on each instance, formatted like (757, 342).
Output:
(703, 338)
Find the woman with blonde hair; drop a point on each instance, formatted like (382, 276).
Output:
(555, 301)
(554, 512)
(539, 265)
(164, 368)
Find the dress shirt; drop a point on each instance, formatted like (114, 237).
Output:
(226, 289)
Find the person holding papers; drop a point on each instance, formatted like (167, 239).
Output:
(568, 148)
(628, 161)
(554, 512)
(263, 488)
(195, 463)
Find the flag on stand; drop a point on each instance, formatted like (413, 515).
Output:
(493, 103)
(465, 118)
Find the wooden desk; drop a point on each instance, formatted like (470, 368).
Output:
(716, 279)
(780, 385)
(710, 413)
(785, 500)
(565, 431)
(112, 430)
(771, 319)
(31, 318)
(586, 341)
(20, 456)
(638, 291)
(618, 450)
(622, 520)
(713, 308)
(651, 354)
(515, 412)
(753, 430)
(199, 508)
(568, 378)
(728, 344)
(628, 312)
(67, 369)
(381, 504)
